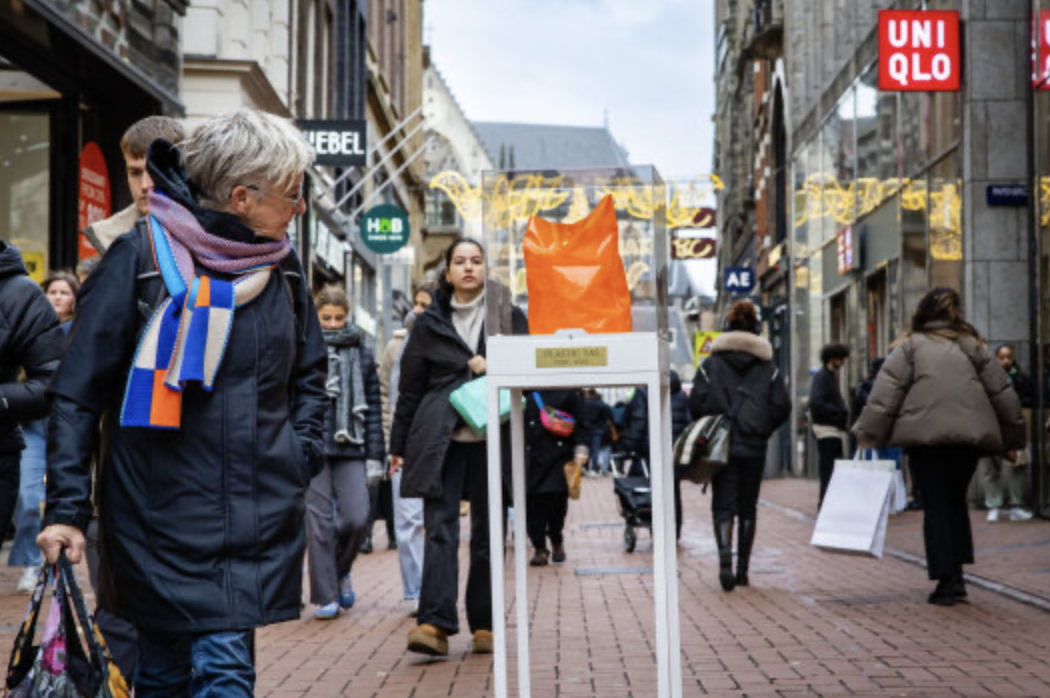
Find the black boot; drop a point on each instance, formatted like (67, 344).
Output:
(944, 595)
(743, 550)
(724, 540)
(959, 586)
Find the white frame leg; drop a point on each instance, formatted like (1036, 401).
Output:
(496, 546)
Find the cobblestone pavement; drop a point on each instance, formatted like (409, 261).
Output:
(811, 624)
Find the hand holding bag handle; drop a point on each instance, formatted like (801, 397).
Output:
(95, 673)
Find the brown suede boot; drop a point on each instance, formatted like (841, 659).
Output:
(428, 639)
(482, 642)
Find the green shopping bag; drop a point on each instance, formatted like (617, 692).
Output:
(469, 401)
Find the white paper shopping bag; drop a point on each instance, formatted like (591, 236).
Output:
(856, 508)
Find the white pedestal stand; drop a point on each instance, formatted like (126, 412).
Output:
(581, 360)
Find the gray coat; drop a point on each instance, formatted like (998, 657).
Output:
(936, 391)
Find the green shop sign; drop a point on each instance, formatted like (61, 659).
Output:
(384, 229)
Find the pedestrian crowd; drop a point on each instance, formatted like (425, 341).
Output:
(205, 420)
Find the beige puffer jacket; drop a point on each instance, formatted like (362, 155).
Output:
(934, 391)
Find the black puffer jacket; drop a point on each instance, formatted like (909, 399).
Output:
(30, 340)
(680, 416)
(373, 448)
(736, 357)
(635, 438)
(433, 366)
(546, 454)
(202, 527)
(826, 405)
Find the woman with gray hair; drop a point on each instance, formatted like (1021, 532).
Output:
(214, 417)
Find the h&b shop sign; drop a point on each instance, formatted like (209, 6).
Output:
(385, 229)
(919, 51)
(337, 142)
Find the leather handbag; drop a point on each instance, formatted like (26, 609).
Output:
(61, 666)
(702, 450)
(573, 478)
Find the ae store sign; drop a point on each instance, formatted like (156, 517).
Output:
(919, 51)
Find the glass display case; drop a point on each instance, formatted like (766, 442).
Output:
(572, 275)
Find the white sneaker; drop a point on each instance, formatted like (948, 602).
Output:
(30, 576)
(993, 515)
(415, 608)
(1020, 515)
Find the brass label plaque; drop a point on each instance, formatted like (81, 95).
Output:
(572, 357)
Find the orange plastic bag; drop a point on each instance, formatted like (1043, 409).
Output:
(575, 275)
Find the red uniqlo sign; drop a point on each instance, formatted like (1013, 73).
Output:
(919, 51)
(1041, 51)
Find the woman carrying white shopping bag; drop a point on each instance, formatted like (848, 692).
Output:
(943, 398)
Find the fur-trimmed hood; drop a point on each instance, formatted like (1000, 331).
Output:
(745, 342)
(101, 234)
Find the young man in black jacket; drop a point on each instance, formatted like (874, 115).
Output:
(30, 340)
(828, 413)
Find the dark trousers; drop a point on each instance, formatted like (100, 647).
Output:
(734, 489)
(829, 451)
(334, 540)
(465, 470)
(120, 635)
(944, 474)
(545, 518)
(10, 469)
(381, 505)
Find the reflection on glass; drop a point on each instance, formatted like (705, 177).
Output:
(24, 177)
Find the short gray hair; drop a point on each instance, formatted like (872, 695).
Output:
(246, 147)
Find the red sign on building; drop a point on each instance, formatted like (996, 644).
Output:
(1041, 51)
(846, 259)
(93, 195)
(919, 51)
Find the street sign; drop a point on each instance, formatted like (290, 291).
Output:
(740, 279)
(702, 342)
(1006, 195)
(919, 51)
(385, 228)
(337, 142)
(693, 248)
(847, 260)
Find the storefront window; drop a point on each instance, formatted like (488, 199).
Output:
(944, 213)
(913, 133)
(24, 186)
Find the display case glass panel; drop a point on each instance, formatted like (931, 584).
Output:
(633, 218)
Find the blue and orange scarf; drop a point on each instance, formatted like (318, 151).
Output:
(185, 339)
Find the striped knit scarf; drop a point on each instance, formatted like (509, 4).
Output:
(186, 337)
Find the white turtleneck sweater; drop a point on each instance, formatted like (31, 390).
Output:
(468, 319)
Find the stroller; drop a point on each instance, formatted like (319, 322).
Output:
(635, 496)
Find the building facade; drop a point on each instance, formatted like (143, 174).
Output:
(852, 202)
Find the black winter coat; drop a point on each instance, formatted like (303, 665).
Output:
(374, 447)
(545, 453)
(635, 437)
(734, 357)
(202, 527)
(433, 366)
(598, 416)
(826, 405)
(680, 415)
(30, 340)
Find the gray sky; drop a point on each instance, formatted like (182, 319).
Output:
(649, 62)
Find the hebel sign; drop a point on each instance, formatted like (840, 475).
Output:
(919, 51)
(1041, 52)
(339, 142)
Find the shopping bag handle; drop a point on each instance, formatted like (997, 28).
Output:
(873, 453)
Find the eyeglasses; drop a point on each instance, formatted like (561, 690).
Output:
(287, 199)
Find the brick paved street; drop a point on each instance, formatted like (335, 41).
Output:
(811, 624)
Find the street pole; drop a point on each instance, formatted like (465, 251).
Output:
(388, 302)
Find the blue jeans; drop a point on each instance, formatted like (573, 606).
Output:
(186, 665)
(30, 495)
(408, 525)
